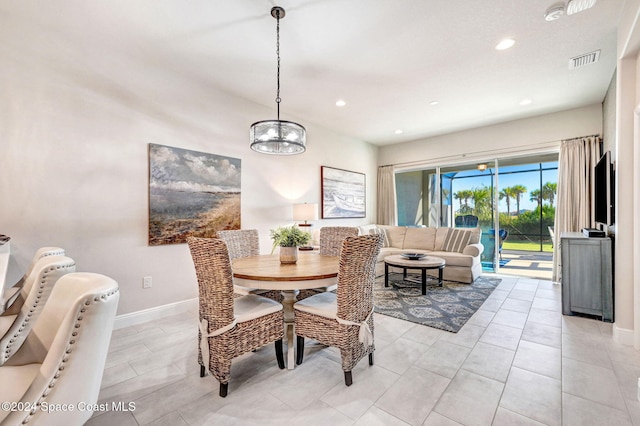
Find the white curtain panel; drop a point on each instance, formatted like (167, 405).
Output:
(386, 212)
(574, 207)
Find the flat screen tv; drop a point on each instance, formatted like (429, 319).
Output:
(604, 191)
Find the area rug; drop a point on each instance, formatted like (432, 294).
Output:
(448, 307)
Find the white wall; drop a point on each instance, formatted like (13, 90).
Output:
(627, 245)
(74, 160)
(504, 139)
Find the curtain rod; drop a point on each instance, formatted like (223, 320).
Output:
(581, 137)
(486, 153)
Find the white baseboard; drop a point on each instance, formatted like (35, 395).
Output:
(624, 336)
(155, 313)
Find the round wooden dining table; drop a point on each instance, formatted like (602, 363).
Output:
(265, 272)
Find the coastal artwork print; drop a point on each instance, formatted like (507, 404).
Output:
(191, 194)
(343, 193)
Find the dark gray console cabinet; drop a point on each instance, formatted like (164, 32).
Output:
(586, 275)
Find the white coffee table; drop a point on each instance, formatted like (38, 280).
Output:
(423, 264)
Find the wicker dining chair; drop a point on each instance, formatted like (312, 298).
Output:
(245, 243)
(331, 238)
(229, 327)
(344, 319)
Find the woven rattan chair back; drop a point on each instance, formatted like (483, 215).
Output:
(331, 238)
(225, 338)
(241, 242)
(356, 276)
(354, 299)
(215, 280)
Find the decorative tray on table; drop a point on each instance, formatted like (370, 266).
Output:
(413, 256)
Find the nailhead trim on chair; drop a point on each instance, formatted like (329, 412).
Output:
(9, 349)
(68, 351)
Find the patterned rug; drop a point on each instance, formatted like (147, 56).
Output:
(448, 307)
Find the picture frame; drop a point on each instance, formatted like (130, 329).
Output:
(343, 193)
(191, 193)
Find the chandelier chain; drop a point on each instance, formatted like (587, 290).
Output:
(278, 99)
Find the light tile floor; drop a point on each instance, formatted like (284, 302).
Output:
(518, 361)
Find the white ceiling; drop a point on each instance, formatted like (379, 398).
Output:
(387, 59)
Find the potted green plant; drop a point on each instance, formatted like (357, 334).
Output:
(288, 238)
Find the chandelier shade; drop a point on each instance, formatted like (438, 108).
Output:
(278, 137)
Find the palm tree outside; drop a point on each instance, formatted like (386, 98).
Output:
(517, 191)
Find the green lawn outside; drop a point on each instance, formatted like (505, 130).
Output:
(526, 246)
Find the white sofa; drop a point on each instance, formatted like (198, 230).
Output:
(461, 266)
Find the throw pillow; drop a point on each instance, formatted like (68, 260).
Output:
(379, 231)
(457, 240)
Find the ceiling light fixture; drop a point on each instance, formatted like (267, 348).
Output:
(526, 102)
(576, 6)
(340, 103)
(398, 132)
(434, 103)
(505, 44)
(554, 12)
(482, 167)
(278, 137)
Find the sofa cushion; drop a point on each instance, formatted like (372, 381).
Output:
(380, 231)
(420, 239)
(476, 233)
(441, 235)
(395, 235)
(455, 258)
(364, 229)
(457, 240)
(388, 251)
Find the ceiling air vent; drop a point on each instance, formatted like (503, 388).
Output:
(586, 59)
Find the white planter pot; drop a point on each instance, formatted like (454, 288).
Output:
(288, 254)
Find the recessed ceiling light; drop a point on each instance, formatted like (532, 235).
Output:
(434, 103)
(505, 44)
(398, 132)
(575, 6)
(526, 102)
(554, 12)
(340, 103)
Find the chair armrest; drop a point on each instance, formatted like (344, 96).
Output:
(473, 249)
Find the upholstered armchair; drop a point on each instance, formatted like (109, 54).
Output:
(16, 322)
(11, 293)
(62, 359)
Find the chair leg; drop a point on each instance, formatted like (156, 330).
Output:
(371, 358)
(279, 354)
(348, 380)
(224, 388)
(202, 371)
(300, 345)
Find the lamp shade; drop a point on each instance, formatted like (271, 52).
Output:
(305, 211)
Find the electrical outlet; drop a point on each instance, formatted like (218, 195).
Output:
(146, 282)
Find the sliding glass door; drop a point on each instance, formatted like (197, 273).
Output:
(470, 189)
(511, 200)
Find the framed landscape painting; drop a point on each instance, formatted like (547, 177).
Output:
(191, 194)
(343, 193)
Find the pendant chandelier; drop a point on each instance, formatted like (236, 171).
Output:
(278, 137)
